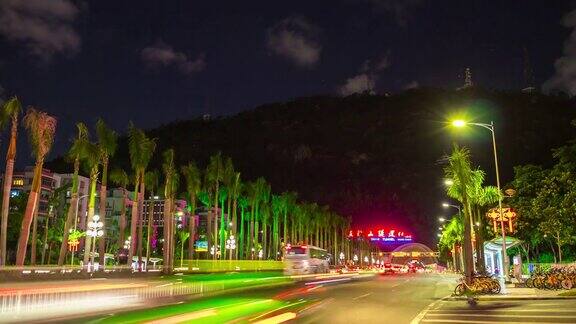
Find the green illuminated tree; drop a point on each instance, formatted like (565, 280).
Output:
(460, 171)
(141, 148)
(107, 143)
(120, 178)
(76, 154)
(193, 185)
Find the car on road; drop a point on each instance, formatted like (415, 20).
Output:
(306, 259)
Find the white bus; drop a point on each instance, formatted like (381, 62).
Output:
(306, 259)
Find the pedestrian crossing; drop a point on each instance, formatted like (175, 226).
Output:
(505, 311)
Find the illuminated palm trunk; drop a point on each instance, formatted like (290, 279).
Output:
(149, 228)
(33, 241)
(102, 208)
(10, 157)
(192, 226)
(71, 214)
(134, 219)
(91, 209)
(31, 207)
(140, 220)
(122, 224)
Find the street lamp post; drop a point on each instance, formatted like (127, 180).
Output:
(490, 127)
(95, 230)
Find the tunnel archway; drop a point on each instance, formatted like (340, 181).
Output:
(413, 251)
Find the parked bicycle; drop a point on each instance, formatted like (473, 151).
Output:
(480, 284)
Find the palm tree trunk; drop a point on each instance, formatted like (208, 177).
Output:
(67, 227)
(167, 250)
(10, 156)
(31, 206)
(91, 209)
(216, 242)
(192, 226)
(151, 210)
(33, 243)
(140, 220)
(241, 239)
(134, 219)
(122, 224)
(102, 208)
(235, 223)
(45, 241)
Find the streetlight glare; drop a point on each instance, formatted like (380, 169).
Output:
(445, 205)
(459, 123)
(441, 219)
(448, 182)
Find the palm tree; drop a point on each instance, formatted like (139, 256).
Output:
(120, 178)
(193, 183)
(10, 113)
(92, 164)
(183, 237)
(460, 171)
(170, 187)
(289, 199)
(76, 154)
(214, 174)
(242, 241)
(151, 178)
(107, 143)
(41, 128)
(141, 149)
(235, 189)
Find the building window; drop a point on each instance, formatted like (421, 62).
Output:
(18, 182)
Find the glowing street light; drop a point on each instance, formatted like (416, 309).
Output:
(448, 182)
(441, 219)
(355, 258)
(490, 127)
(342, 256)
(459, 123)
(260, 254)
(231, 245)
(439, 235)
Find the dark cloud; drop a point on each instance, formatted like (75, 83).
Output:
(399, 9)
(294, 38)
(165, 56)
(44, 26)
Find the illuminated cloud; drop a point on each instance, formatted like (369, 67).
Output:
(162, 55)
(294, 39)
(358, 84)
(43, 26)
(565, 77)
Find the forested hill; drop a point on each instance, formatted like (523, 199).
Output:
(376, 158)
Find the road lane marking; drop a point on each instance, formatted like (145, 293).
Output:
(326, 281)
(277, 309)
(362, 296)
(422, 314)
(545, 310)
(184, 317)
(502, 315)
(475, 322)
(278, 318)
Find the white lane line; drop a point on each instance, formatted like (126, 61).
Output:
(502, 315)
(545, 310)
(423, 313)
(475, 322)
(362, 296)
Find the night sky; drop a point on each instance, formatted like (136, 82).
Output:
(157, 61)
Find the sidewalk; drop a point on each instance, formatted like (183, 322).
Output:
(510, 292)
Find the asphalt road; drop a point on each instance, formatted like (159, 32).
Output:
(383, 299)
(411, 298)
(508, 311)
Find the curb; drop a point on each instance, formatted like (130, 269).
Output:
(504, 298)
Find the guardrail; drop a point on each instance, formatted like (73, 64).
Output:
(27, 302)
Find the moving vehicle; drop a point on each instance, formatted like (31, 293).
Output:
(306, 259)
